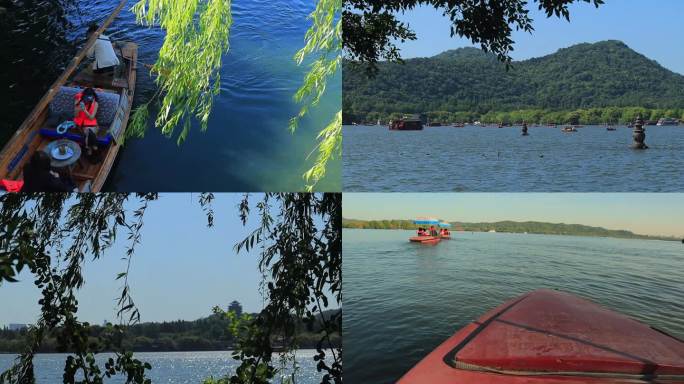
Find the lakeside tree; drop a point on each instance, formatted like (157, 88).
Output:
(298, 241)
(371, 27)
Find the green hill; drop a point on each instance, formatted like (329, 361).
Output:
(510, 227)
(468, 84)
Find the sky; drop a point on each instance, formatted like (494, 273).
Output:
(180, 270)
(650, 27)
(650, 214)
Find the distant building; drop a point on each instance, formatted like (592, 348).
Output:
(236, 307)
(17, 327)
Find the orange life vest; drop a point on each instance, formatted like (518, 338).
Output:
(82, 120)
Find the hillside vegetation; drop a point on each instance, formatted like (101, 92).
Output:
(206, 334)
(587, 83)
(509, 227)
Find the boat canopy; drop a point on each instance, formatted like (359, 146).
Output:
(425, 221)
(444, 225)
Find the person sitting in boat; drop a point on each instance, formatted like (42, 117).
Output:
(103, 51)
(433, 231)
(40, 177)
(421, 231)
(85, 110)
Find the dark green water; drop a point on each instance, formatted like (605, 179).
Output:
(247, 146)
(401, 300)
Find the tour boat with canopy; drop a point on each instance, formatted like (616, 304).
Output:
(553, 337)
(429, 235)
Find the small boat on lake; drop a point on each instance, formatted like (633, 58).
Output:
(407, 123)
(425, 239)
(428, 235)
(553, 337)
(43, 129)
(458, 125)
(667, 121)
(568, 129)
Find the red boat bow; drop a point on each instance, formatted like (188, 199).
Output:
(553, 337)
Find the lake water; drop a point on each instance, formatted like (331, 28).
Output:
(447, 159)
(401, 300)
(168, 367)
(247, 146)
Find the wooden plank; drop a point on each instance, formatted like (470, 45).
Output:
(108, 162)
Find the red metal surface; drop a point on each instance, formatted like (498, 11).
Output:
(553, 337)
(425, 239)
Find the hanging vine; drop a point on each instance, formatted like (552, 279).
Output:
(188, 69)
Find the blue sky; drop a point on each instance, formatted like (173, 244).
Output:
(652, 213)
(652, 28)
(180, 270)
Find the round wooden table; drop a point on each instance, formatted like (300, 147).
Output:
(67, 162)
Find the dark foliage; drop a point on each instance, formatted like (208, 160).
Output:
(371, 27)
(210, 333)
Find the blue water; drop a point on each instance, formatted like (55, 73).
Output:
(447, 159)
(247, 146)
(401, 300)
(168, 367)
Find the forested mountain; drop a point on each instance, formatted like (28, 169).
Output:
(467, 82)
(509, 227)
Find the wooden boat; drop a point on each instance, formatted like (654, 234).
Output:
(115, 93)
(611, 129)
(407, 123)
(553, 338)
(568, 129)
(425, 239)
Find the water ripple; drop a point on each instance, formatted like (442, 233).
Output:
(402, 300)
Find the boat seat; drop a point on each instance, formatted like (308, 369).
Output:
(62, 108)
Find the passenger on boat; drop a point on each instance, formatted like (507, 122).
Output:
(40, 177)
(85, 104)
(421, 231)
(103, 51)
(433, 231)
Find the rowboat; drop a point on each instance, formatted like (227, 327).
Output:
(115, 98)
(556, 338)
(425, 239)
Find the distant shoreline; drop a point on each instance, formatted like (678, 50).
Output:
(103, 352)
(527, 227)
